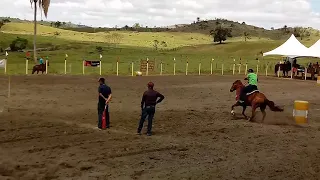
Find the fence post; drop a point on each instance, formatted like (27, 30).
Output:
(305, 73)
(239, 69)
(161, 68)
(174, 66)
(46, 66)
(83, 67)
(234, 66)
(132, 68)
(246, 70)
(147, 72)
(279, 70)
(5, 66)
(211, 66)
(117, 67)
(65, 66)
(222, 69)
(187, 68)
(267, 69)
(27, 63)
(199, 68)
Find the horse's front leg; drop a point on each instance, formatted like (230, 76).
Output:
(232, 107)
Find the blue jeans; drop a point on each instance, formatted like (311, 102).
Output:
(100, 113)
(147, 111)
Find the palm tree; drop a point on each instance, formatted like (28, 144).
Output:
(44, 5)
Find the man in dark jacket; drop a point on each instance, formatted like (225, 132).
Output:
(148, 107)
(104, 98)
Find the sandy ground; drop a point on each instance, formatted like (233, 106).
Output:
(49, 131)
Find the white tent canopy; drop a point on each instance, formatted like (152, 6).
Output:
(315, 49)
(291, 48)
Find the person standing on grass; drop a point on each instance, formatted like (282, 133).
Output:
(103, 103)
(148, 107)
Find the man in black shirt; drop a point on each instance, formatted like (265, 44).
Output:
(104, 98)
(148, 107)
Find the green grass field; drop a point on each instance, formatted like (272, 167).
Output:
(132, 47)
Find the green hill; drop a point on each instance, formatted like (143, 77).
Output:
(194, 46)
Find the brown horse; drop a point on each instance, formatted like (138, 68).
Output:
(255, 100)
(39, 67)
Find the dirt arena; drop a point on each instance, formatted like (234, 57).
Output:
(49, 131)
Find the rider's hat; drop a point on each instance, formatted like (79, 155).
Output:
(250, 71)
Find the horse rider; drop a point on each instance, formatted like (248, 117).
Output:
(148, 107)
(253, 82)
(41, 61)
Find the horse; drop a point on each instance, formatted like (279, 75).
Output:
(285, 68)
(39, 67)
(255, 100)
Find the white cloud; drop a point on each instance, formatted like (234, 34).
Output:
(265, 13)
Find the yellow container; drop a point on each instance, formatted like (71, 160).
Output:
(300, 112)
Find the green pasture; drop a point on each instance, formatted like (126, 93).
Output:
(198, 50)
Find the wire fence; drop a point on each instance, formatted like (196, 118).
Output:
(130, 68)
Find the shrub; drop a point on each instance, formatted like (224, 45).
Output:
(18, 44)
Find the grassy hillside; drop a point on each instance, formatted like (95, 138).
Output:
(134, 46)
(137, 39)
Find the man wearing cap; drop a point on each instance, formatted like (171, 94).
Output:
(148, 107)
(251, 88)
(104, 98)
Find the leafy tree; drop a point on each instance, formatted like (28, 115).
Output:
(220, 34)
(246, 36)
(164, 44)
(285, 29)
(136, 25)
(301, 32)
(1, 24)
(198, 19)
(18, 44)
(57, 24)
(44, 5)
(155, 44)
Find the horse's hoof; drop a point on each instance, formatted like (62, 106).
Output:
(232, 113)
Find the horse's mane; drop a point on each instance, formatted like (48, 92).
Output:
(239, 83)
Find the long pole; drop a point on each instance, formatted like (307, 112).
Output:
(161, 68)
(83, 67)
(147, 73)
(305, 73)
(211, 66)
(246, 70)
(5, 66)
(174, 66)
(46, 66)
(199, 68)
(187, 68)
(132, 68)
(222, 69)
(267, 69)
(65, 66)
(100, 68)
(239, 69)
(27, 62)
(117, 67)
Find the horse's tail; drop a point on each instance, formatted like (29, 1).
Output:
(272, 106)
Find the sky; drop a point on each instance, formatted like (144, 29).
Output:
(109, 13)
